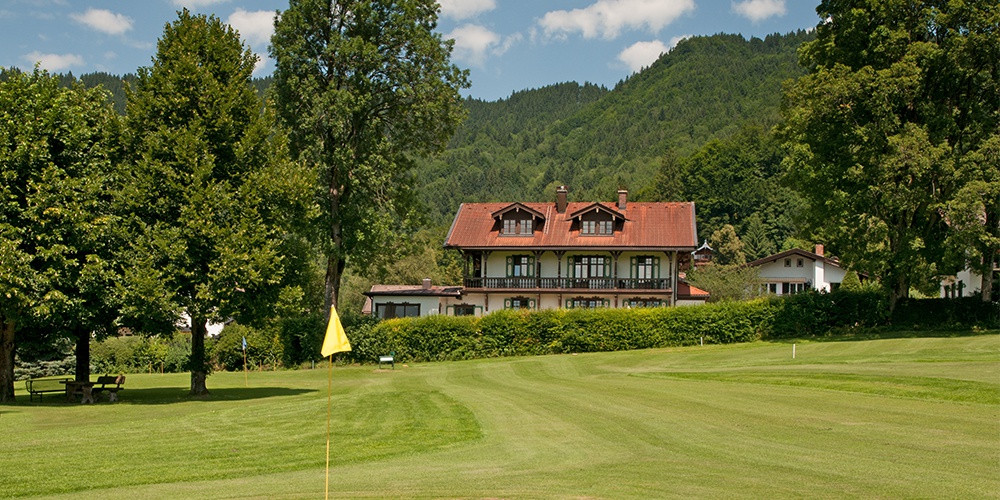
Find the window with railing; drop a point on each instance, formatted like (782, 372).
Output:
(645, 267)
(590, 266)
(520, 266)
(643, 302)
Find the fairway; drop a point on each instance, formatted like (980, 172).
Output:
(890, 418)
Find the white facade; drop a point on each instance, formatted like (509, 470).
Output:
(797, 270)
(966, 283)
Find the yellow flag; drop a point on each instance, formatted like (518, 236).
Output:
(336, 338)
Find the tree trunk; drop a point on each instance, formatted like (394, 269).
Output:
(6, 360)
(199, 368)
(987, 284)
(82, 356)
(334, 271)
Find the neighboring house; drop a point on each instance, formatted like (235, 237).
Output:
(525, 255)
(402, 301)
(967, 283)
(688, 295)
(796, 270)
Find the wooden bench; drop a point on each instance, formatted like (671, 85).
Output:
(109, 383)
(40, 386)
(389, 358)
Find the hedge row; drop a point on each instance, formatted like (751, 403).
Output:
(518, 333)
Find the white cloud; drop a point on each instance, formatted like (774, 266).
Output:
(255, 27)
(758, 10)
(641, 54)
(462, 9)
(54, 62)
(608, 18)
(472, 43)
(104, 21)
(675, 40)
(194, 4)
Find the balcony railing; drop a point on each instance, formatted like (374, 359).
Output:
(569, 283)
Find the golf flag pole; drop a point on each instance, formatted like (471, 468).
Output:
(334, 341)
(246, 381)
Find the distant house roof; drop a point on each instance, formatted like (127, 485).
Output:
(597, 207)
(794, 252)
(415, 290)
(686, 291)
(646, 225)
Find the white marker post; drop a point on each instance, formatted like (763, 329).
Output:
(793, 351)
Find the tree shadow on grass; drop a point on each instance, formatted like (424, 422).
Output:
(875, 334)
(171, 395)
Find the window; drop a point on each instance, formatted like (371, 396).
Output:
(389, 310)
(519, 303)
(788, 262)
(798, 263)
(520, 266)
(597, 227)
(789, 288)
(645, 267)
(590, 266)
(586, 303)
(640, 302)
(772, 288)
(518, 227)
(465, 310)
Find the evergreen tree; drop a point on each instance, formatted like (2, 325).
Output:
(756, 240)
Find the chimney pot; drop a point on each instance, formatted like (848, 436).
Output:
(427, 284)
(622, 198)
(561, 201)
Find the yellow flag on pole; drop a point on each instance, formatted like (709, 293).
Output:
(336, 338)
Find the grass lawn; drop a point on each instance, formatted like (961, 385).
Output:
(891, 418)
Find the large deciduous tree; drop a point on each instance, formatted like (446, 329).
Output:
(57, 271)
(900, 97)
(210, 193)
(364, 87)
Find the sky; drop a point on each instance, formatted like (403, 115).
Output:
(507, 45)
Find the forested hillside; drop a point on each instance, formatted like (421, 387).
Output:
(595, 141)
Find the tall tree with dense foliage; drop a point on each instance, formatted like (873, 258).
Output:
(901, 95)
(57, 152)
(211, 192)
(364, 88)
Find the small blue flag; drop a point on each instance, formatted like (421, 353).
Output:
(244, 343)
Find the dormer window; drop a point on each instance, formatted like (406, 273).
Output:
(517, 227)
(518, 220)
(598, 220)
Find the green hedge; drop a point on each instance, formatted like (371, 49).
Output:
(523, 333)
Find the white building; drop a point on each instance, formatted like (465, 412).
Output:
(797, 270)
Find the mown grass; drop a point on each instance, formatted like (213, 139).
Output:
(893, 418)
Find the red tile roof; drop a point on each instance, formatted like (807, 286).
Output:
(660, 226)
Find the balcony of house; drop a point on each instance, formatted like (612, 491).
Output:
(532, 283)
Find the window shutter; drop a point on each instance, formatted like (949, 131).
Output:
(531, 303)
(506, 303)
(531, 265)
(607, 268)
(510, 266)
(656, 267)
(569, 303)
(633, 267)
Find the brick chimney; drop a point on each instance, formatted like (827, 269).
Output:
(819, 250)
(427, 284)
(622, 198)
(561, 199)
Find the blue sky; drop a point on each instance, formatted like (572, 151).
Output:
(507, 45)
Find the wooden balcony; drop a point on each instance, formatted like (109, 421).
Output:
(610, 284)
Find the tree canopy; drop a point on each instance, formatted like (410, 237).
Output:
(364, 87)
(58, 149)
(900, 97)
(211, 194)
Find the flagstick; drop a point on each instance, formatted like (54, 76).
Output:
(246, 381)
(329, 403)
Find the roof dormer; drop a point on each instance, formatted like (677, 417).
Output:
(518, 220)
(597, 219)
